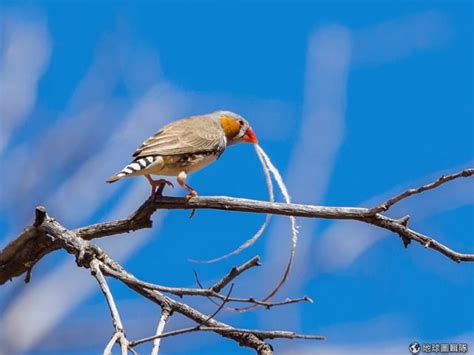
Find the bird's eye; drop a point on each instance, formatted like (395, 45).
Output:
(241, 122)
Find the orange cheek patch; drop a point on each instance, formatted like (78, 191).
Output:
(230, 126)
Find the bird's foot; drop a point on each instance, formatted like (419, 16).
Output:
(163, 182)
(192, 193)
(157, 186)
(181, 178)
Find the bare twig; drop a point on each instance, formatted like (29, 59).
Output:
(270, 334)
(218, 308)
(119, 333)
(236, 271)
(196, 328)
(196, 277)
(210, 293)
(287, 301)
(165, 335)
(440, 181)
(111, 343)
(206, 292)
(165, 313)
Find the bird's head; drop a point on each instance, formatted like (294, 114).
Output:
(235, 127)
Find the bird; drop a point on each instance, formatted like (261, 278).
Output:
(185, 146)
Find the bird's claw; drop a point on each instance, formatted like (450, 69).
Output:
(163, 182)
(190, 195)
(157, 187)
(166, 182)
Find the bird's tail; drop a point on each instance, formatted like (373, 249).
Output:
(114, 178)
(134, 168)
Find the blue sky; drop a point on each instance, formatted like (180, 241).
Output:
(353, 101)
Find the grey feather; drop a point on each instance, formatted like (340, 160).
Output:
(186, 136)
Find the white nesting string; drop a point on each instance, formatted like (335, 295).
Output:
(268, 169)
(268, 217)
(286, 196)
(294, 229)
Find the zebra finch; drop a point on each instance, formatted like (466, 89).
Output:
(185, 146)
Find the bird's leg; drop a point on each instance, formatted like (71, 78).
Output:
(157, 186)
(192, 193)
(181, 180)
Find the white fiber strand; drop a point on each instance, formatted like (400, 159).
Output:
(261, 154)
(294, 229)
(268, 169)
(268, 217)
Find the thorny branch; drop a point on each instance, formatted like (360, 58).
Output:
(46, 235)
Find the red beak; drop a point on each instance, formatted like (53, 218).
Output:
(250, 137)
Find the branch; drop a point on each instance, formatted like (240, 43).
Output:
(45, 235)
(30, 246)
(262, 335)
(269, 334)
(119, 333)
(165, 313)
(236, 271)
(207, 292)
(243, 339)
(440, 181)
(160, 335)
(21, 254)
(90, 256)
